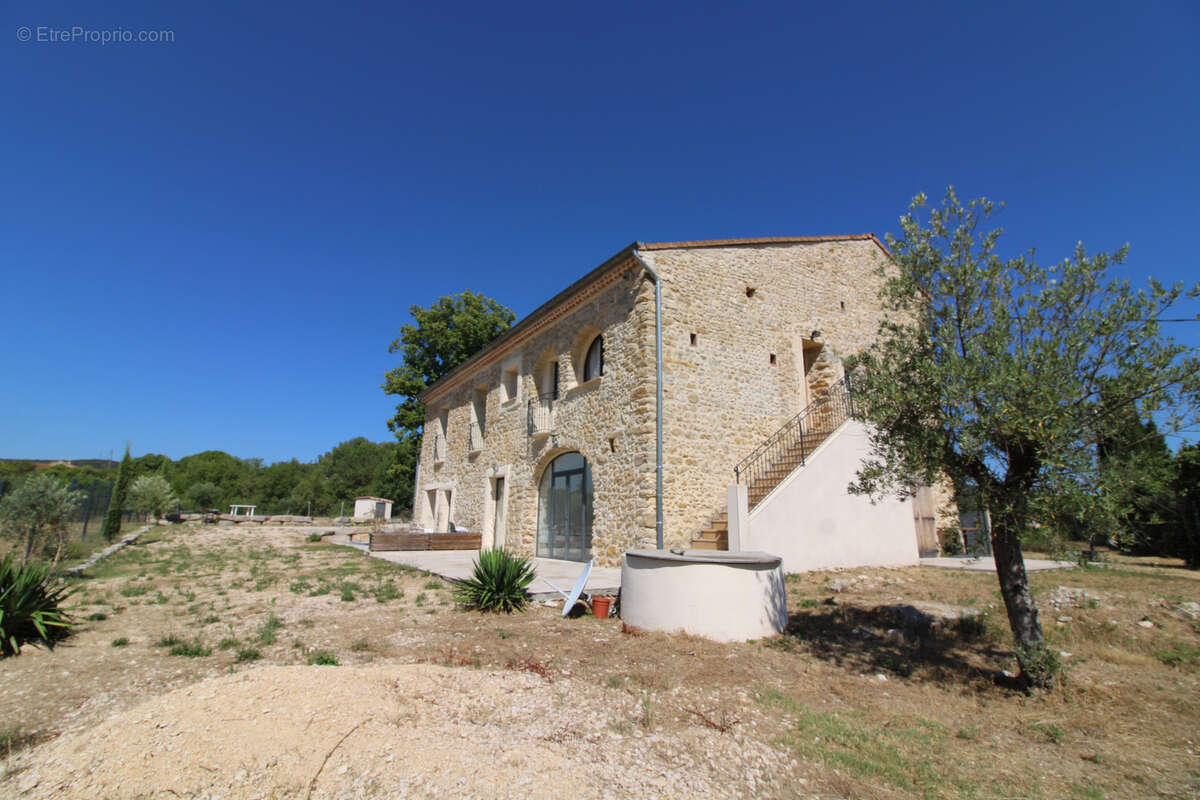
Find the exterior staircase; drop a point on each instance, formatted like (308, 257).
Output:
(788, 449)
(715, 535)
(791, 457)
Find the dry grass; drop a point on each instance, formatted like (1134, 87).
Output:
(936, 724)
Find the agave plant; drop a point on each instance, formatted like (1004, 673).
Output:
(30, 608)
(497, 584)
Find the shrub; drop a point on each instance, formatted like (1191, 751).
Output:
(497, 584)
(387, 591)
(120, 641)
(322, 658)
(30, 609)
(248, 654)
(1179, 655)
(196, 649)
(313, 538)
(951, 541)
(266, 631)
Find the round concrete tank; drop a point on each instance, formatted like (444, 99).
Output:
(728, 597)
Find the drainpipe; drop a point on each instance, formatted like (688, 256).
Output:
(658, 398)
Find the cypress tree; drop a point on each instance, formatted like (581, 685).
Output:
(112, 520)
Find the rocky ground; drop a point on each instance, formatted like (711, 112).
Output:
(242, 662)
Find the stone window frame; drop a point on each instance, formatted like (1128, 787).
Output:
(441, 434)
(547, 370)
(510, 396)
(595, 348)
(477, 417)
(584, 340)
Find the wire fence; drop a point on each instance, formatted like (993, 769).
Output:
(88, 518)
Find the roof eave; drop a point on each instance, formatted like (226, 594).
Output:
(528, 321)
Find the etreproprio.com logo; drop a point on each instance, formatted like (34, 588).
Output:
(78, 34)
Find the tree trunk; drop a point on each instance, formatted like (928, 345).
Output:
(29, 543)
(1018, 602)
(58, 548)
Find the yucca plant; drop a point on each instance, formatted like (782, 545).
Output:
(497, 584)
(30, 608)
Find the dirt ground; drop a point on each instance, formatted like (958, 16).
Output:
(204, 666)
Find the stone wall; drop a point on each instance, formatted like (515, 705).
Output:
(737, 327)
(604, 419)
(753, 309)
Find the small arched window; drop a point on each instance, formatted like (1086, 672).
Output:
(593, 364)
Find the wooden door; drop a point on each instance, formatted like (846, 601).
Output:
(925, 522)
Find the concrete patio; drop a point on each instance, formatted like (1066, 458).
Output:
(988, 564)
(458, 564)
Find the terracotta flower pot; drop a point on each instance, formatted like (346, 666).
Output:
(601, 606)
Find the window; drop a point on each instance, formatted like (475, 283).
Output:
(548, 381)
(593, 364)
(509, 384)
(565, 509)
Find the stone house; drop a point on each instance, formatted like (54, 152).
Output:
(546, 441)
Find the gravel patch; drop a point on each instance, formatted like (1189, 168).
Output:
(393, 731)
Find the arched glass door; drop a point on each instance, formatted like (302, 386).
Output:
(565, 509)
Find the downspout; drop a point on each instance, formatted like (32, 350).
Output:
(658, 397)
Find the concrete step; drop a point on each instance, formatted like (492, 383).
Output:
(711, 533)
(721, 543)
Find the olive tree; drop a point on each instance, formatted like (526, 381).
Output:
(1002, 375)
(37, 511)
(151, 494)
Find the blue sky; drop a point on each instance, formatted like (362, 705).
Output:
(209, 243)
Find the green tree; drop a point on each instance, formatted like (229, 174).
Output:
(203, 494)
(399, 475)
(1184, 540)
(152, 494)
(445, 335)
(1137, 474)
(234, 476)
(116, 505)
(992, 371)
(38, 511)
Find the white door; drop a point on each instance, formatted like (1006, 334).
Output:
(499, 498)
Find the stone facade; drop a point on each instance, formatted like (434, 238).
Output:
(739, 358)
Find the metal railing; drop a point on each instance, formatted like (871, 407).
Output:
(541, 415)
(791, 445)
(475, 438)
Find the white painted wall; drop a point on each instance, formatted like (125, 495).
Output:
(364, 508)
(813, 523)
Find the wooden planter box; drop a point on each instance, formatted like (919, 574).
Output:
(425, 541)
